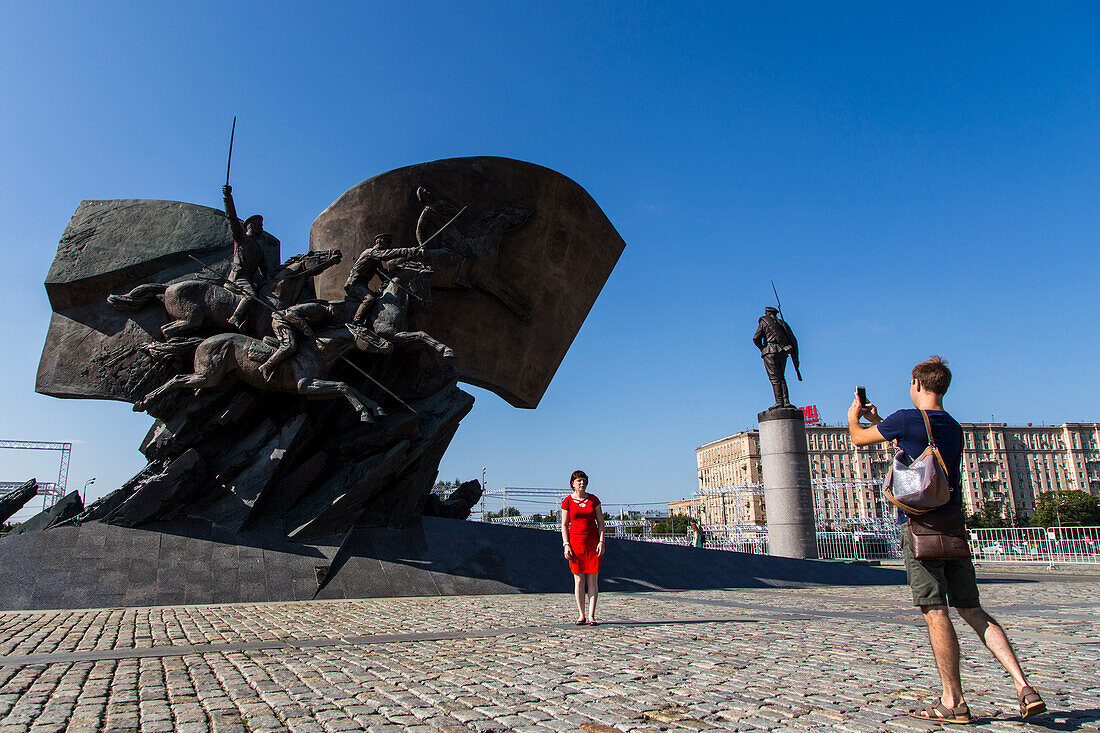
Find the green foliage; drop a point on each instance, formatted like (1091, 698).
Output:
(677, 525)
(446, 487)
(507, 512)
(1074, 508)
(990, 515)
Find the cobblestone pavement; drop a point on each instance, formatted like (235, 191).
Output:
(851, 659)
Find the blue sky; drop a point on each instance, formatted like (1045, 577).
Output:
(917, 178)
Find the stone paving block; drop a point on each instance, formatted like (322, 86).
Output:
(855, 666)
(197, 726)
(488, 726)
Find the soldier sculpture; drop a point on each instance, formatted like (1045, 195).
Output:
(776, 341)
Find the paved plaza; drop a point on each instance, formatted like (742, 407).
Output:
(852, 659)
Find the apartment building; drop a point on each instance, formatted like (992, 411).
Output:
(1008, 464)
(1014, 464)
(730, 478)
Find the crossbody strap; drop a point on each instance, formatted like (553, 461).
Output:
(932, 441)
(928, 429)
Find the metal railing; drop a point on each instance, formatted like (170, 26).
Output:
(1054, 546)
(879, 545)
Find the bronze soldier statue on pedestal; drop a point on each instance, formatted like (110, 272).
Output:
(776, 341)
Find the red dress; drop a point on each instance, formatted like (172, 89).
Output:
(584, 534)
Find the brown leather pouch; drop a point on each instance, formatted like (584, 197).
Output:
(939, 535)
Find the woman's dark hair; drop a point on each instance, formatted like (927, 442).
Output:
(576, 475)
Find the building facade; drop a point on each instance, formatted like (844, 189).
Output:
(1010, 465)
(730, 480)
(1013, 465)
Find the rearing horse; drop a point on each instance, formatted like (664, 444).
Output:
(192, 303)
(230, 357)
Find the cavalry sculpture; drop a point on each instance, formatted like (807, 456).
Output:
(225, 358)
(298, 358)
(298, 405)
(192, 304)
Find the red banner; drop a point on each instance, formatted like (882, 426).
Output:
(809, 413)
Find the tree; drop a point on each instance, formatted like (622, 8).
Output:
(990, 514)
(1074, 508)
(446, 487)
(676, 525)
(506, 512)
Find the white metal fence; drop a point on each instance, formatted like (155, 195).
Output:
(879, 545)
(1057, 545)
(737, 538)
(1054, 546)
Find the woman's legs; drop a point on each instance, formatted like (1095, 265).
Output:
(578, 590)
(593, 592)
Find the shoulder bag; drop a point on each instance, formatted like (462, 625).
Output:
(920, 485)
(939, 534)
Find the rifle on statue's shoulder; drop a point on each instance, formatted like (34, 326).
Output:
(792, 349)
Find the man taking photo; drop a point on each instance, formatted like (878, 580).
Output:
(937, 584)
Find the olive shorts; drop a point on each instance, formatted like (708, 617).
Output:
(939, 582)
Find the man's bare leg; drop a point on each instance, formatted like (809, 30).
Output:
(996, 641)
(945, 648)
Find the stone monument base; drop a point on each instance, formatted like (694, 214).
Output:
(788, 493)
(97, 565)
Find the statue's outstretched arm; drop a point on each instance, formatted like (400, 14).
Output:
(393, 254)
(235, 227)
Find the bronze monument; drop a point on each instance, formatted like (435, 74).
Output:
(302, 402)
(776, 342)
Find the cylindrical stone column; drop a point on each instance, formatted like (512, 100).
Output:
(788, 495)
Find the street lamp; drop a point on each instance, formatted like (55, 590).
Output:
(483, 494)
(84, 492)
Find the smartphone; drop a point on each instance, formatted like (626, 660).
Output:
(861, 393)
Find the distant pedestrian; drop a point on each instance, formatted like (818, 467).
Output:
(939, 583)
(582, 536)
(695, 534)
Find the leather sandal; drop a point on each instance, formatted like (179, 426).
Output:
(937, 711)
(1030, 702)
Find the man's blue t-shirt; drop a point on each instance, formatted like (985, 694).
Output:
(907, 427)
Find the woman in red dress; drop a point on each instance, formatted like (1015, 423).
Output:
(582, 536)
